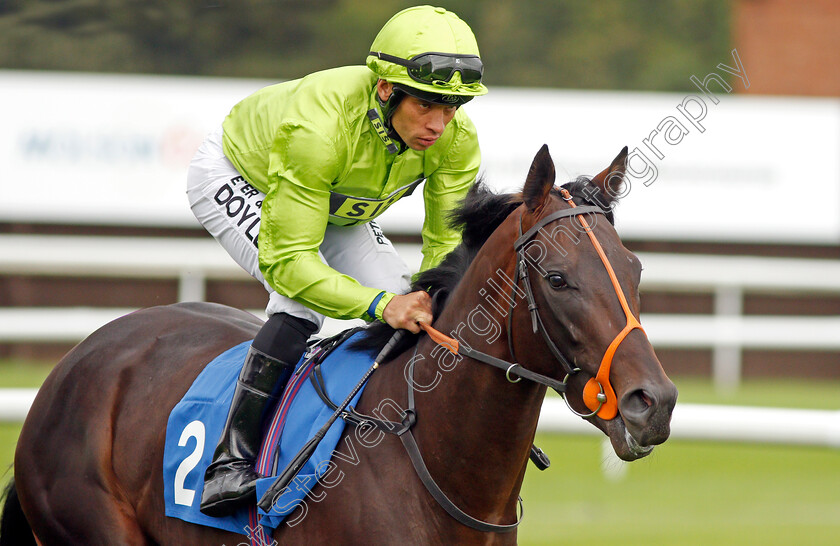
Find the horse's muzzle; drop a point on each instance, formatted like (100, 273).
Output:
(647, 412)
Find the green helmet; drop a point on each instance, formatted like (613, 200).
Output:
(430, 53)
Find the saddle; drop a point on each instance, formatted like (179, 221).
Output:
(327, 372)
(195, 423)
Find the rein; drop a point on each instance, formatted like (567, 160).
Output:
(456, 348)
(598, 394)
(402, 429)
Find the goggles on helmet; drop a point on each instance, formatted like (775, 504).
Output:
(438, 68)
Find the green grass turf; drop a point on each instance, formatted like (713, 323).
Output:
(776, 392)
(689, 492)
(684, 493)
(21, 374)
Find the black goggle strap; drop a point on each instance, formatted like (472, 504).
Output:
(396, 60)
(451, 67)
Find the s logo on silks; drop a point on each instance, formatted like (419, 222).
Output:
(349, 210)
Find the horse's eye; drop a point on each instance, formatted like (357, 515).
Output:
(556, 280)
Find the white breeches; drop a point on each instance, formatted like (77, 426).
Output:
(229, 208)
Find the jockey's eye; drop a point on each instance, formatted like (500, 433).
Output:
(556, 280)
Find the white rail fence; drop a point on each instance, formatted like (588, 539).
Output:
(195, 261)
(690, 421)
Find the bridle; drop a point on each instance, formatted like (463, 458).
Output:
(598, 394)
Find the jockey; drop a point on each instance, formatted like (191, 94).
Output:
(290, 185)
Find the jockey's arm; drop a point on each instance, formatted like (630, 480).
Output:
(445, 188)
(295, 213)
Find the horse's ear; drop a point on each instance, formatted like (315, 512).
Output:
(540, 180)
(611, 179)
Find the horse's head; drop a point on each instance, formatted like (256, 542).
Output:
(585, 289)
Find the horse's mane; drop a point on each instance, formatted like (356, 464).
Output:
(477, 217)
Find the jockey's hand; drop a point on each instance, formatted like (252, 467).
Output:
(406, 311)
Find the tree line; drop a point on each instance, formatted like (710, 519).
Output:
(605, 44)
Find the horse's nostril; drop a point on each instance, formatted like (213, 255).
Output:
(647, 413)
(638, 402)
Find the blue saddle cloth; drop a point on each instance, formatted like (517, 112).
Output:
(195, 426)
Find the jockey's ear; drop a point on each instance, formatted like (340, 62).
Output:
(540, 180)
(611, 180)
(384, 89)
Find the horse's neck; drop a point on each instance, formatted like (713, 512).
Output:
(474, 427)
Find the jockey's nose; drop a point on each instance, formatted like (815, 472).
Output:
(436, 121)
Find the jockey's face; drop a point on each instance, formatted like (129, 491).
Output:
(418, 122)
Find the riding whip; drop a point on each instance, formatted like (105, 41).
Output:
(276, 489)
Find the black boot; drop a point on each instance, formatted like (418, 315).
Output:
(230, 480)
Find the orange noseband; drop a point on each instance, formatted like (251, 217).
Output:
(598, 394)
(600, 384)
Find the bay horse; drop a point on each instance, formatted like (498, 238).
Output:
(530, 283)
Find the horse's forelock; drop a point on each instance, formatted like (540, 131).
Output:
(585, 193)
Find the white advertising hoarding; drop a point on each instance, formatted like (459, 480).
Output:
(113, 149)
(104, 149)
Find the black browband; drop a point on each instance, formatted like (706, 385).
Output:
(556, 215)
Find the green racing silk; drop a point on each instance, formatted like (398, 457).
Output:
(349, 210)
(311, 146)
